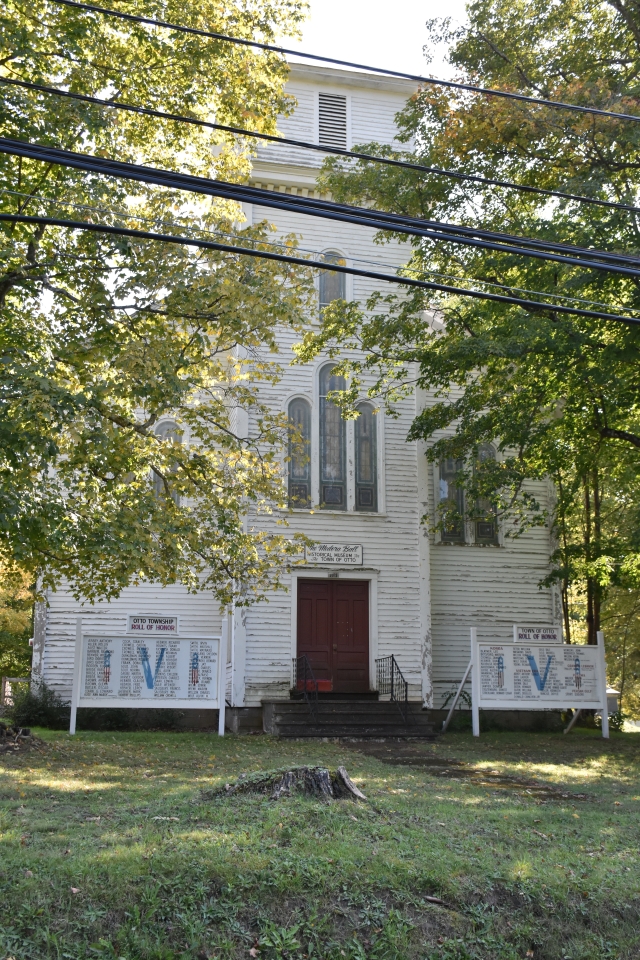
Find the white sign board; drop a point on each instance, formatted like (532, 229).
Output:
(146, 671)
(537, 676)
(537, 634)
(149, 625)
(342, 554)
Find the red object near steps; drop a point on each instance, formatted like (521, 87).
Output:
(324, 686)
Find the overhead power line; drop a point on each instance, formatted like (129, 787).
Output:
(433, 230)
(320, 148)
(303, 262)
(452, 84)
(280, 244)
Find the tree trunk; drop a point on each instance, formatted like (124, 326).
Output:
(591, 633)
(597, 528)
(312, 781)
(565, 563)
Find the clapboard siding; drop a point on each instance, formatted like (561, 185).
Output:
(488, 587)
(371, 112)
(198, 614)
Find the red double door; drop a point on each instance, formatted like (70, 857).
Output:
(333, 631)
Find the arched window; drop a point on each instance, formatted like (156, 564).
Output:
(366, 459)
(485, 519)
(451, 501)
(333, 472)
(300, 453)
(332, 284)
(168, 432)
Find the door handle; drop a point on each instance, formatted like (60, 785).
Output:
(335, 646)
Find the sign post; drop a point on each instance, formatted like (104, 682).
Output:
(536, 672)
(152, 667)
(603, 685)
(475, 684)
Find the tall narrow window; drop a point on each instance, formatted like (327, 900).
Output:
(366, 459)
(332, 445)
(300, 453)
(168, 432)
(332, 120)
(451, 501)
(485, 519)
(332, 284)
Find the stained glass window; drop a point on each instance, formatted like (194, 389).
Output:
(451, 497)
(300, 453)
(332, 444)
(366, 459)
(485, 519)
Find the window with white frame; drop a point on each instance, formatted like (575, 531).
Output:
(167, 432)
(366, 459)
(299, 453)
(332, 120)
(333, 472)
(332, 284)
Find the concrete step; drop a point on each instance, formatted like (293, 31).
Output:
(355, 718)
(342, 707)
(348, 733)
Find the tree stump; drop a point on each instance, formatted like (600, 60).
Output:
(317, 782)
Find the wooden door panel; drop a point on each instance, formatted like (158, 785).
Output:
(333, 631)
(314, 625)
(351, 649)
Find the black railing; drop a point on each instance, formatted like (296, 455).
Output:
(305, 683)
(392, 684)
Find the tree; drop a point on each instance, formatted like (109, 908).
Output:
(560, 395)
(104, 339)
(16, 607)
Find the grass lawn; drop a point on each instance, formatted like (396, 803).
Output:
(110, 848)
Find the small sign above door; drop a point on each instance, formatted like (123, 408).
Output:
(149, 626)
(537, 634)
(340, 554)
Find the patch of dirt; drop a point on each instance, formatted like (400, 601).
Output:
(413, 755)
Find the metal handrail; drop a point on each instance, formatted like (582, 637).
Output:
(391, 683)
(305, 681)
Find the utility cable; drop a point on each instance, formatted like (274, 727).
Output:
(468, 236)
(535, 305)
(332, 211)
(320, 148)
(315, 254)
(452, 84)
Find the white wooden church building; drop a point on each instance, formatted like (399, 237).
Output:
(397, 589)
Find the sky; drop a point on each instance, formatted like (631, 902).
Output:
(377, 33)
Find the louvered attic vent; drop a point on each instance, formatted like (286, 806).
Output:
(332, 120)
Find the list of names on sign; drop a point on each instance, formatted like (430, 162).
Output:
(526, 674)
(344, 554)
(138, 670)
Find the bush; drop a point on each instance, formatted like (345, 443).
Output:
(37, 705)
(616, 721)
